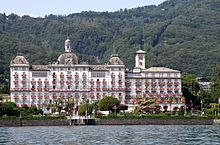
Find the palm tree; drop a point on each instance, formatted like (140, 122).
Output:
(171, 101)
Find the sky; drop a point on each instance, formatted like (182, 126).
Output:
(64, 7)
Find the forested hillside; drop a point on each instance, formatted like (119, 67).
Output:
(180, 34)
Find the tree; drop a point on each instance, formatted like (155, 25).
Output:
(215, 87)
(83, 108)
(9, 109)
(107, 103)
(190, 89)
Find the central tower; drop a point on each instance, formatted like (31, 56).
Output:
(140, 59)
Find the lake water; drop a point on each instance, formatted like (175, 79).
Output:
(113, 135)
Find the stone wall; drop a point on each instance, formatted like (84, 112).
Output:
(151, 121)
(4, 123)
(146, 121)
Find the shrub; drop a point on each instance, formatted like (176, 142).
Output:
(107, 103)
(83, 108)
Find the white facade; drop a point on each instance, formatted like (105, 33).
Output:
(68, 80)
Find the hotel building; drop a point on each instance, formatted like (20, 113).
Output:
(70, 80)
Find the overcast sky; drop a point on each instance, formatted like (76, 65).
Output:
(65, 7)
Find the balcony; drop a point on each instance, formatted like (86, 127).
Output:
(161, 89)
(39, 82)
(54, 97)
(54, 75)
(127, 83)
(98, 89)
(54, 82)
(98, 82)
(161, 83)
(23, 81)
(33, 89)
(68, 75)
(46, 97)
(176, 89)
(62, 82)
(159, 101)
(33, 97)
(176, 83)
(147, 83)
(33, 82)
(169, 83)
(138, 83)
(150, 95)
(24, 97)
(127, 89)
(166, 94)
(112, 82)
(46, 82)
(24, 89)
(39, 89)
(16, 97)
(169, 89)
(16, 75)
(120, 82)
(138, 89)
(62, 75)
(16, 81)
(40, 97)
(173, 95)
(153, 83)
(104, 89)
(24, 75)
(62, 97)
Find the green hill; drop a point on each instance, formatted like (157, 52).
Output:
(181, 34)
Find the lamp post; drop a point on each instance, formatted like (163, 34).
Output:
(185, 110)
(218, 105)
(115, 108)
(191, 103)
(201, 106)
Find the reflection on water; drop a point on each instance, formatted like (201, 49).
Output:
(146, 134)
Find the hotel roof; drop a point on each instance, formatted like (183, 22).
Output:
(160, 69)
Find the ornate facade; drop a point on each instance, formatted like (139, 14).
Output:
(69, 80)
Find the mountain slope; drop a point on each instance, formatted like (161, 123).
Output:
(181, 34)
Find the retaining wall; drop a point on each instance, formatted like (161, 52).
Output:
(144, 121)
(148, 121)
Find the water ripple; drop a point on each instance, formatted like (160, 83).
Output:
(111, 135)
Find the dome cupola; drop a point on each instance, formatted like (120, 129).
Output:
(115, 60)
(67, 45)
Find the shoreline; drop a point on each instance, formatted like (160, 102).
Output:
(124, 121)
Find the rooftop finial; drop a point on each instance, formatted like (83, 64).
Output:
(67, 45)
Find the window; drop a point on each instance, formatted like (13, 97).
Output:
(175, 74)
(97, 74)
(39, 74)
(153, 74)
(141, 57)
